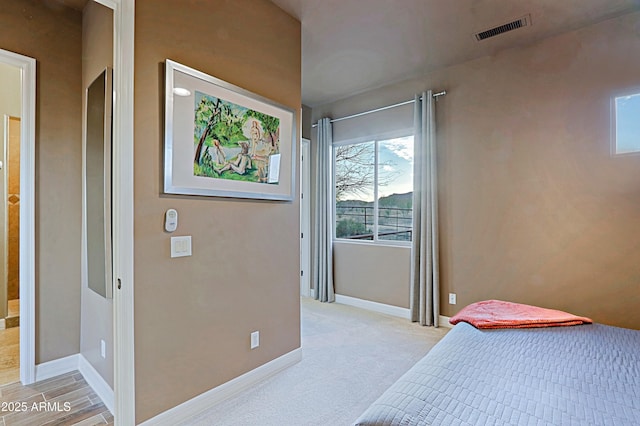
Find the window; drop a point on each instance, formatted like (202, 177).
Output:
(627, 124)
(374, 190)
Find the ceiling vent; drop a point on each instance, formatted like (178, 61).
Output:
(518, 23)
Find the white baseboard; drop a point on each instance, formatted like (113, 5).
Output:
(395, 311)
(97, 383)
(444, 322)
(206, 400)
(54, 368)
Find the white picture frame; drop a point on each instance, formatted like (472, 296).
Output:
(220, 139)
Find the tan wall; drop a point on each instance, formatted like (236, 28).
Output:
(52, 35)
(533, 207)
(96, 312)
(367, 271)
(9, 106)
(194, 314)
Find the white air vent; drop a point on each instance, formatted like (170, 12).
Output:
(510, 26)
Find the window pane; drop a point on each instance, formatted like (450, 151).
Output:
(628, 124)
(395, 189)
(354, 179)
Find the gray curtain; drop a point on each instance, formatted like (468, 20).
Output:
(323, 238)
(425, 294)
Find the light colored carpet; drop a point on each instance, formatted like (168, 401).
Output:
(350, 356)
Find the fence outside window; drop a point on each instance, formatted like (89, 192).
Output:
(356, 222)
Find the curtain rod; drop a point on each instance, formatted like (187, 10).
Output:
(435, 95)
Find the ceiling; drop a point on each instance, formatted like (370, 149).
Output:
(351, 46)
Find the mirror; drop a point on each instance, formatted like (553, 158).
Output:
(98, 183)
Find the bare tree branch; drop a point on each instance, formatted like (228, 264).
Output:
(355, 170)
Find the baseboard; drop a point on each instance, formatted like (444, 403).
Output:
(206, 400)
(54, 368)
(444, 322)
(395, 311)
(97, 383)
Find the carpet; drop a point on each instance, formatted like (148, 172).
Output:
(350, 356)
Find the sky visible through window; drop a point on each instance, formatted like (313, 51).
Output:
(396, 157)
(627, 124)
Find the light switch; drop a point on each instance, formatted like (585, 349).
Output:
(181, 246)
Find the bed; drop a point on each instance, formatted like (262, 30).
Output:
(580, 375)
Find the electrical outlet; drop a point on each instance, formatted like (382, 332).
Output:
(452, 298)
(255, 339)
(103, 349)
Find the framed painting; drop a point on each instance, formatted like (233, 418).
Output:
(224, 141)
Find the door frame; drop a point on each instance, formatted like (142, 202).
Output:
(305, 218)
(27, 68)
(122, 209)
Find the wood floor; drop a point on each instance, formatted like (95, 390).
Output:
(9, 355)
(62, 400)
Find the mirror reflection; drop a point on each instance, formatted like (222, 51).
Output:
(98, 183)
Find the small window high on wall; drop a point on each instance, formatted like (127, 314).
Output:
(374, 190)
(626, 124)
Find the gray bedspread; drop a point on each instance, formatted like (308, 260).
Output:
(583, 375)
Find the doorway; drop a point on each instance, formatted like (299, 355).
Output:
(17, 105)
(111, 349)
(10, 102)
(123, 21)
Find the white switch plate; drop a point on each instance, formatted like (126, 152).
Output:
(103, 349)
(181, 246)
(255, 339)
(452, 298)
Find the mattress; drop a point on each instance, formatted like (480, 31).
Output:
(583, 375)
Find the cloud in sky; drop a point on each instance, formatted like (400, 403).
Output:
(402, 147)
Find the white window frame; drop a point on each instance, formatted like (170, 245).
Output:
(376, 139)
(614, 122)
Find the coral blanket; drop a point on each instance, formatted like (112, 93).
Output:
(500, 314)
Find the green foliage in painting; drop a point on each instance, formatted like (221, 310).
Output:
(232, 142)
